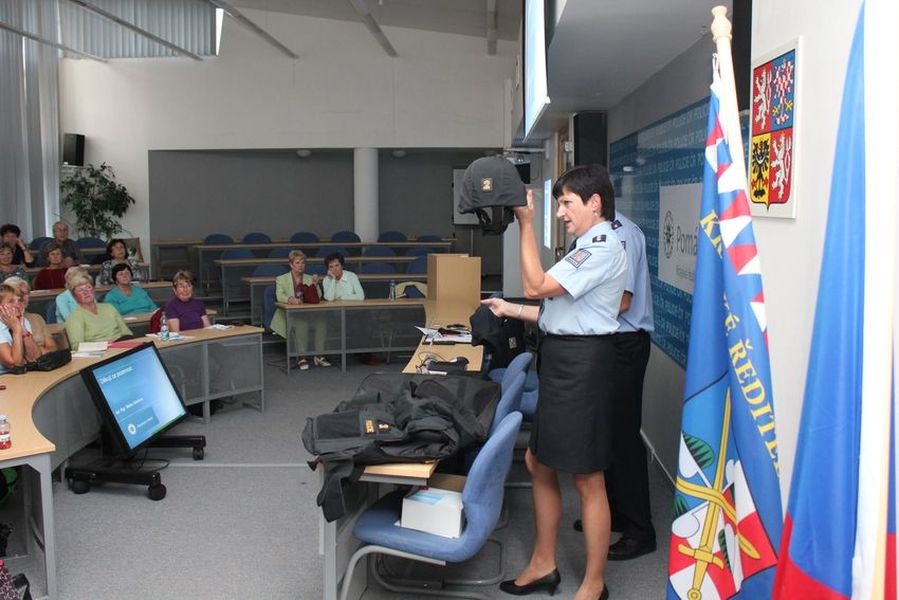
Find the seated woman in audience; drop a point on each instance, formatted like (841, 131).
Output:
(53, 276)
(7, 268)
(118, 255)
(17, 345)
(65, 301)
(92, 321)
(184, 312)
(128, 298)
(296, 287)
(42, 336)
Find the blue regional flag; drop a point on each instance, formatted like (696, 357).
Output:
(728, 517)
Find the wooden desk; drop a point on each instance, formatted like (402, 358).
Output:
(174, 246)
(138, 323)
(249, 264)
(390, 319)
(310, 248)
(53, 416)
(257, 286)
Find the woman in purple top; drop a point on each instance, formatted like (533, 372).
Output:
(185, 312)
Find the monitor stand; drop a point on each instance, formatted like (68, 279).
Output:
(116, 468)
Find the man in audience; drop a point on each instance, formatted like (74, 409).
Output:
(71, 256)
(9, 234)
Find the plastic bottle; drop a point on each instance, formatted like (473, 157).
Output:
(163, 328)
(391, 292)
(5, 440)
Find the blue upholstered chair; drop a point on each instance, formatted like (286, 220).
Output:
(392, 236)
(420, 251)
(218, 238)
(237, 253)
(304, 237)
(257, 237)
(90, 242)
(279, 252)
(345, 237)
(379, 251)
(268, 306)
(482, 499)
(377, 268)
(419, 265)
(316, 269)
(38, 242)
(324, 251)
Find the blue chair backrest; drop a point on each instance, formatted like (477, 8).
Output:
(377, 268)
(90, 242)
(519, 364)
(326, 250)
(37, 242)
(419, 265)
(509, 401)
(345, 237)
(218, 238)
(482, 496)
(379, 251)
(268, 306)
(420, 251)
(50, 312)
(235, 253)
(392, 236)
(304, 237)
(316, 270)
(270, 270)
(280, 252)
(257, 237)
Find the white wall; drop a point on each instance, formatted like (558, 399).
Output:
(791, 250)
(343, 92)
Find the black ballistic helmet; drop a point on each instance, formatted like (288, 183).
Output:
(492, 182)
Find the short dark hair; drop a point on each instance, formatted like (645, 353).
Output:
(10, 227)
(334, 256)
(113, 242)
(118, 268)
(586, 180)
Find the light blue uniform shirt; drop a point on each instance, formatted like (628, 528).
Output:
(593, 275)
(6, 338)
(639, 316)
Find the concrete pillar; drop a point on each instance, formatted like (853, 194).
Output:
(365, 193)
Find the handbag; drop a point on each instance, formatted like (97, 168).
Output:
(46, 362)
(310, 294)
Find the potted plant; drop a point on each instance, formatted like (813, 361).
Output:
(96, 200)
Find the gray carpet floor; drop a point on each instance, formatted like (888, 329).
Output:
(243, 522)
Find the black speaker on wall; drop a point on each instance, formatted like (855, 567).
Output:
(73, 149)
(590, 135)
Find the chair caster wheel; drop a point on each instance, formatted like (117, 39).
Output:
(80, 486)
(199, 453)
(156, 492)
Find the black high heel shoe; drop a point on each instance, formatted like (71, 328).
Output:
(605, 593)
(549, 582)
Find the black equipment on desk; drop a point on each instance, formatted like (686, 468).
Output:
(138, 402)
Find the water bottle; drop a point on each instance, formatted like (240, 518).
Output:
(164, 328)
(5, 440)
(391, 291)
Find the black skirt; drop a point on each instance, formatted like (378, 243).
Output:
(572, 429)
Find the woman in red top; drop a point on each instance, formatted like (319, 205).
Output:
(52, 277)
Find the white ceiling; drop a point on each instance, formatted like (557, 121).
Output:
(601, 50)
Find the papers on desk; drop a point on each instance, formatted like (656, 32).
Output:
(445, 336)
(90, 350)
(173, 337)
(220, 327)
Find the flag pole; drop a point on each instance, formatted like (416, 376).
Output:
(721, 34)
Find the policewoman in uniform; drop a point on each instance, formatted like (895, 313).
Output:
(572, 431)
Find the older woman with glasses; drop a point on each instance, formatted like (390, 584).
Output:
(184, 312)
(92, 321)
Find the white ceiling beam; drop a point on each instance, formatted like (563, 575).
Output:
(243, 20)
(361, 8)
(41, 40)
(129, 25)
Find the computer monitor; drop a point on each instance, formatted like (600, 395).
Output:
(135, 395)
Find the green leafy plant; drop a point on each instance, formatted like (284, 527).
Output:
(96, 200)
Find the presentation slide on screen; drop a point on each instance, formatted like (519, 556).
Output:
(140, 395)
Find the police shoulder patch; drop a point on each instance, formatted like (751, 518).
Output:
(616, 224)
(578, 257)
(600, 239)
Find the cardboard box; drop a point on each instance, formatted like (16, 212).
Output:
(436, 509)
